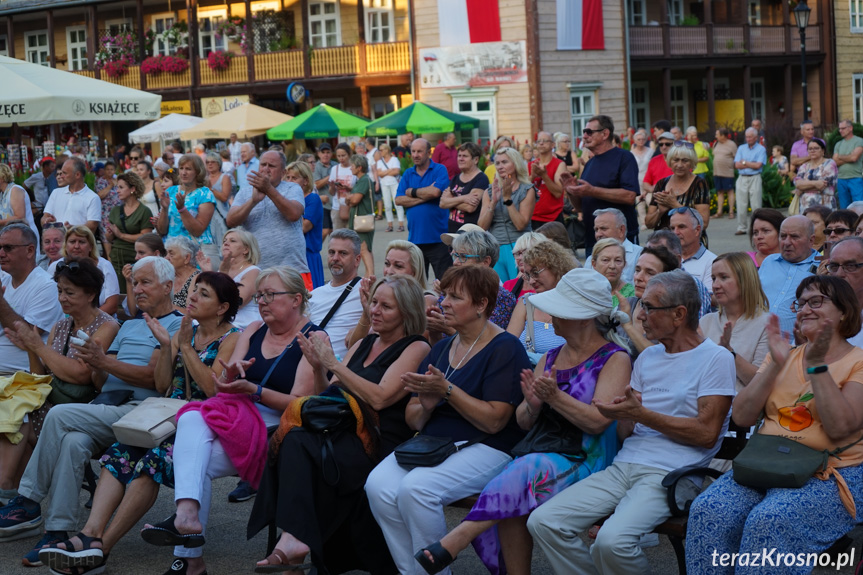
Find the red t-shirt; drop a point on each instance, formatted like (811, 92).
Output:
(656, 170)
(547, 208)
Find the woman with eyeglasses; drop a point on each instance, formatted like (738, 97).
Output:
(265, 372)
(81, 243)
(508, 206)
(815, 181)
(812, 394)
(563, 152)
(520, 284)
(79, 283)
(839, 224)
(544, 265)
(132, 476)
(53, 235)
(126, 223)
(15, 202)
(682, 189)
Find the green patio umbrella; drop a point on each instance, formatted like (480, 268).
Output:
(420, 118)
(320, 122)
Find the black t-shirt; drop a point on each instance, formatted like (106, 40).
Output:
(616, 168)
(458, 218)
(698, 193)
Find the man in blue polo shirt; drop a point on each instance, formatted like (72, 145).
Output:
(419, 193)
(781, 273)
(749, 161)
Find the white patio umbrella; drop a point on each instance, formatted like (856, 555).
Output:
(167, 128)
(246, 120)
(34, 94)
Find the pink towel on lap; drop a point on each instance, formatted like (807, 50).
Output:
(240, 429)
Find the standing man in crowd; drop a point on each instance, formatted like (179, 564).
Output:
(724, 152)
(781, 273)
(272, 210)
(404, 147)
(323, 167)
(609, 180)
(419, 193)
(658, 128)
(37, 184)
(800, 148)
(234, 147)
(759, 127)
(446, 154)
(248, 163)
(75, 204)
(657, 167)
(676, 133)
(848, 155)
(749, 161)
(547, 173)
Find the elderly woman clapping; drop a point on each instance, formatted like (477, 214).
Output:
(467, 389)
(811, 394)
(681, 189)
(182, 252)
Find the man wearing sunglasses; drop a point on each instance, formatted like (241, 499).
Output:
(658, 167)
(749, 161)
(609, 180)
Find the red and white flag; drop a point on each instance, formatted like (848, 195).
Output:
(468, 21)
(579, 25)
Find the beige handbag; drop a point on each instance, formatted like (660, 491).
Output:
(152, 421)
(364, 223)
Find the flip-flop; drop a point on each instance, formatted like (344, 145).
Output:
(442, 558)
(282, 565)
(87, 556)
(165, 534)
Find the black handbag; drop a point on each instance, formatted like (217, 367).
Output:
(552, 433)
(327, 414)
(428, 450)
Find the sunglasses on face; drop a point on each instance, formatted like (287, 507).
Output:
(589, 132)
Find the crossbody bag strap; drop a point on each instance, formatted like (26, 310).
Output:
(530, 342)
(348, 289)
(839, 450)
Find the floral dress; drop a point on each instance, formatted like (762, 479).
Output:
(827, 171)
(529, 481)
(126, 463)
(109, 203)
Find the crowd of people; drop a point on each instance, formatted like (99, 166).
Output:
(561, 393)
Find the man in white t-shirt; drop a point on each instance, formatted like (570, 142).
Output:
(674, 414)
(29, 294)
(343, 260)
(234, 148)
(697, 259)
(75, 204)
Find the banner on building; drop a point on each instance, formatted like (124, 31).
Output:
(468, 21)
(176, 107)
(579, 25)
(485, 64)
(214, 106)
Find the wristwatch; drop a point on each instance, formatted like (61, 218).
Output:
(256, 397)
(507, 202)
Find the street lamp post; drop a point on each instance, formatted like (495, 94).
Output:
(801, 14)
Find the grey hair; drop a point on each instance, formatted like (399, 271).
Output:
(527, 240)
(361, 162)
(751, 130)
(481, 244)
(856, 239)
(249, 145)
(804, 122)
(854, 206)
(213, 157)
(27, 235)
(668, 239)
(290, 278)
(350, 235)
(282, 158)
(162, 269)
(693, 214)
(679, 288)
(619, 218)
(186, 245)
(692, 130)
(79, 164)
(558, 136)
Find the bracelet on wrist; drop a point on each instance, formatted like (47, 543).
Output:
(816, 369)
(448, 393)
(182, 210)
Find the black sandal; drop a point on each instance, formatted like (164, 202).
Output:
(88, 556)
(165, 534)
(441, 558)
(97, 569)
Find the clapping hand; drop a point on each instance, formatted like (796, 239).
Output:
(180, 200)
(725, 338)
(317, 350)
(365, 289)
(537, 170)
(158, 330)
(204, 261)
(185, 333)
(817, 349)
(234, 370)
(627, 406)
(24, 336)
(431, 386)
(779, 343)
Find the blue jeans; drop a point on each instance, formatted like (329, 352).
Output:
(848, 191)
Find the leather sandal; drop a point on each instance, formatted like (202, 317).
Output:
(87, 556)
(165, 534)
(441, 558)
(278, 561)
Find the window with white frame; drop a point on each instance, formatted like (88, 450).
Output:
(324, 25)
(856, 7)
(582, 105)
(379, 21)
(637, 12)
(857, 82)
(161, 24)
(756, 98)
(76, 44)
(675, 12)
(36, 48)
(478, 103)
(640, 109)
(118, 25)
(4, 46)
(679, 104)
(208, 41)
(754, 9)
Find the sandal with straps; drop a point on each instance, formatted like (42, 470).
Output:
(282, 565)
(97, 569)
(441, 558)
(87, 556)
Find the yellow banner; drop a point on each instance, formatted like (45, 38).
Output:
(214, 106)
(176, 107)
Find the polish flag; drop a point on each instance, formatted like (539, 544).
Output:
(579, 25)
(468, 21)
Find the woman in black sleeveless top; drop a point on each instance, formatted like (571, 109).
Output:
(323, 511)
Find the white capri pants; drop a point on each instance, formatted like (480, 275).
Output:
(389, 193)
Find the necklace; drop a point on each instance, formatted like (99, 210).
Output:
(450, 370)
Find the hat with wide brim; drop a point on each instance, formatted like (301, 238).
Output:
(448, 238)
(582, 293)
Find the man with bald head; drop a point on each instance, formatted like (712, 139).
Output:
(419, 193)
(547, 174)
(781, 273)
(749, 161)
(846, 262)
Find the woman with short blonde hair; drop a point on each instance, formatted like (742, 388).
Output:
(682, 189)
(81, 243)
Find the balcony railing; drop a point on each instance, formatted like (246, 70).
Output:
(279, 65)
(237, 72)
(131, 79)
(719, 40)
(165, 81)
(335, 61)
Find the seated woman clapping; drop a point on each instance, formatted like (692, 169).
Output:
(589, 365)
(467, 389)
(131, 476)
(79, 282)
(264, 373)
(811, 394)
(320, 510)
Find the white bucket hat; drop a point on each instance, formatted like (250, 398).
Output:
(582, 293)
(448, 238)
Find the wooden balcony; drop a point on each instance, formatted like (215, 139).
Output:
(279, 65)
(165, 81)
(716, 40)
(131, 79)
(237, 72)
(388, 57)
(86, 73)
(335, 61)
